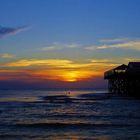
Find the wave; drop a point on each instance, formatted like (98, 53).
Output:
(89, 116)
(63, 125)
(11, 136)
(68, 99)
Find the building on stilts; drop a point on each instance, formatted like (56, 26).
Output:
(124, 79)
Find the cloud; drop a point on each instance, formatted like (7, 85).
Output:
(101, 61)
(103, 64)
(130, 59)
(57, 63)
(94, 47)
(73, 45)
(114, 40)
(133, 45)
(38, 62)
(14, 74)
(5, 31)
(94, 83)
(50, 48)
(61, 64)
(129, 44)
(60, 46)
(55, 69)
(6, 55)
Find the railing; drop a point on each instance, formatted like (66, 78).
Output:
(113, 72)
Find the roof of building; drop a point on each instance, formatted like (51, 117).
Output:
(121, 67)
(130, 70)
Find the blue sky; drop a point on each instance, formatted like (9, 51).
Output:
(81, 31)
(69, 21)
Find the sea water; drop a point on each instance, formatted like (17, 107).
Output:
(68, 115)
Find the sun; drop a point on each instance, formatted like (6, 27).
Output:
(71, 76)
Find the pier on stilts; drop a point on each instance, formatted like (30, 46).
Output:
(124, 79)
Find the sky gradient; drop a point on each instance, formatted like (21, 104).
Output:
(65, 43)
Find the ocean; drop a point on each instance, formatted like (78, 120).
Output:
(68, 115)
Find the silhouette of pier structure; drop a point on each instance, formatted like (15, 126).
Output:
(124, 79)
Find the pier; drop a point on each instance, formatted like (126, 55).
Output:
(124, 79)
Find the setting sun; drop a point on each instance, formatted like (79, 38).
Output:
(71, 76)
(79, 75)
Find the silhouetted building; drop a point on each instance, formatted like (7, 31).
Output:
(124, 79)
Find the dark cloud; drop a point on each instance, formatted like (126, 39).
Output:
(5, 31)
(95, 83)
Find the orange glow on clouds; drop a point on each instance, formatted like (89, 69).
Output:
(65, 75)
(59, 74)
(54, 69)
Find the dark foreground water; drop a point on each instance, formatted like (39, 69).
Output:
(60, 115)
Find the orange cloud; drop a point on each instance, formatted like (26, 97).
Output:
(58, 63)
(55, 69)
(65, 75)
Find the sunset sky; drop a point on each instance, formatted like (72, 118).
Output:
(66, 43)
